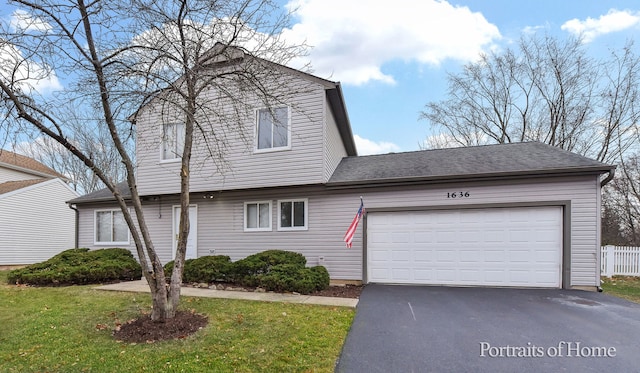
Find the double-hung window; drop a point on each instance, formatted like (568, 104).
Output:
(292, 214)
(257, 216)
(273, 129)
(111, 228)
(172, 140)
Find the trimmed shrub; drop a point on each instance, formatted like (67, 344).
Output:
(273, 270)
(204, 269)
(246, 271)
(290, 277)
(79, 267)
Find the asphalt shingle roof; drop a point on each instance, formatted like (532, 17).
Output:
(103, 194)
(11, 186)
(530, 158)
(23, 162)
(477, 162)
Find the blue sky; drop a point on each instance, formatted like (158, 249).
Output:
(392, 61)
(393, 57)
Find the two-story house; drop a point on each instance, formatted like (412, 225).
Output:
(35, 221)
(522, 214)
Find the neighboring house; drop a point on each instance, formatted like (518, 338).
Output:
(525, 214)
(35, 221)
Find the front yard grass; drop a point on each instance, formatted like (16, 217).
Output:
(68, 329)
(627, 287)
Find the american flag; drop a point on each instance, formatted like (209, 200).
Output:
(348, 237)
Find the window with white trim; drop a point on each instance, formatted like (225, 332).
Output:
(273, 128)
(111, 228)
(292, 214)
(257, 216)
(172, 140)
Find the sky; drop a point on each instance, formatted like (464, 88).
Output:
(392, 58)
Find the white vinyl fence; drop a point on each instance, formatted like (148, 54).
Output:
(620, 260)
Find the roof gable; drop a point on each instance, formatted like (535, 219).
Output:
(25, 164)
(489, 161)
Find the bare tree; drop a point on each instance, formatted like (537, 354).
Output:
(621, 205)
(546, 90)
(192, 61)
(96, 144)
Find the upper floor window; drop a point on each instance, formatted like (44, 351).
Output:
(273, 129)
(257, 216)
(111, 228)
(172, 140)
(292, 215)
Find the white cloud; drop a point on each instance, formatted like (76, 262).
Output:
(352, 39)
(529, 30)
(26, 74)
(23, 21)
(366, 147)
(613, 21)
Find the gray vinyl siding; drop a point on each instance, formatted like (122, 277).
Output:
(221, 219)
(158, 220)
(7, 174)
(36, 223)
(334, 149)
(239, 166)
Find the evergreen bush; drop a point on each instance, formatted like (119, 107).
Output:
(205, 269)
(78, 267)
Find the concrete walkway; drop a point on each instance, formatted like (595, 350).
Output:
(142, 287)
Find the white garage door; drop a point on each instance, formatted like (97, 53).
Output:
(475, 247)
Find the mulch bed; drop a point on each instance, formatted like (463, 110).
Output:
(144, 330)
(346, 291)
(339, 291)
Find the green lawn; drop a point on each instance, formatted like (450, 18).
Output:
(626, 287)
(68, 329)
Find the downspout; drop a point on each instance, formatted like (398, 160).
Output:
(77, 230)
(609, 177)
(604, 182)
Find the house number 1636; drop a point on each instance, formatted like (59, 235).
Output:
(458, 195)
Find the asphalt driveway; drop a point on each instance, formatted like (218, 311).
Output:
(444, 329)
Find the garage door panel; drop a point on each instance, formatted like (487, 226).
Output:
(519, 256)
(481, 247)
(423, 256)
(470, 275)
(401, 255)
(423, 237)
(382, 256)
(469, 236)
(493, 256)
(421, 275)
(445, 236)
(446, 256)
(470, 256)
(446, 275)
(379, 237)
(494, 235)
(494, 277)
(401, 237)
(546, 236)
